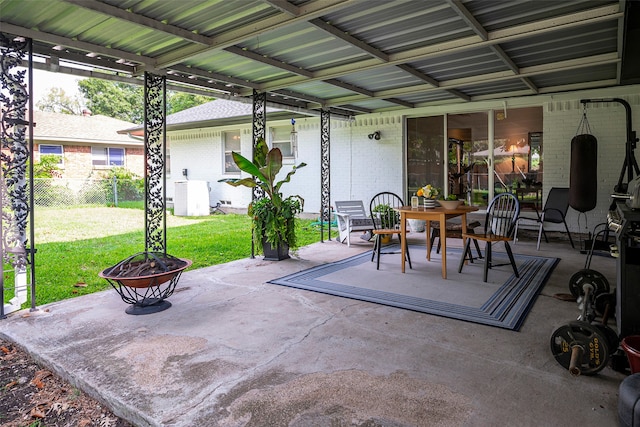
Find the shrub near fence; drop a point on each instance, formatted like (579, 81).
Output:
(64, 192)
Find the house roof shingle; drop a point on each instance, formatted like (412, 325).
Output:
(96, 129)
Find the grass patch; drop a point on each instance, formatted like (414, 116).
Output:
(75, 245)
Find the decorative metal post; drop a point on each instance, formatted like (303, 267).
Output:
(259, 123)
(146, 279)
(155, 152)
(15, 198)
(325, 179)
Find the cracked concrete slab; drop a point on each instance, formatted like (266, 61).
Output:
(236, 351)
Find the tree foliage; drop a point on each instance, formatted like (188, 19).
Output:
(114, 99)
(122, 101)
(178, 101)
(47, 167)
(57, 101)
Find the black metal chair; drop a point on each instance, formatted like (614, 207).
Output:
(499, 226)
(386, 221)
(554, 211)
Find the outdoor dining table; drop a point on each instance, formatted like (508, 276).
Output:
(433, 214)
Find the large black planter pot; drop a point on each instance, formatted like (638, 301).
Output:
(274, 254)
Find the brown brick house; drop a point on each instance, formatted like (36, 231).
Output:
(87, 145)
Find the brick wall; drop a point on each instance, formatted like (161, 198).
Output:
(78, 161)
(608, 125)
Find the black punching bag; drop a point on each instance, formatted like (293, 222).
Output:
(583, 181)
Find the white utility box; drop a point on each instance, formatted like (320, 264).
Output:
(191, 198)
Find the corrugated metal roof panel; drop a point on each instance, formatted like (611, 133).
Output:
(491, 88)
(563, 45)
(580, 75)
(316, 47)
(494, 15)
(461, 64)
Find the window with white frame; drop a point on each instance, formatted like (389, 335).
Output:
(231, 141)
(52, 150)
(281, 138)
(107, 156)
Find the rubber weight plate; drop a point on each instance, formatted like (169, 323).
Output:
(596, 349)
(613, 341)
(577, 281)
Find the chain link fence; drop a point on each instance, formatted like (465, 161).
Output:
(64, 192)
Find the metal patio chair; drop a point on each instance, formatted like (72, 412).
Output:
(554, 211)
(386, 221)
(499, 226)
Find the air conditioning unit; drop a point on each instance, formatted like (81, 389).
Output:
(191, 198)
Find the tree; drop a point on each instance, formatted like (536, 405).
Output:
(57, 101)
(126, 102)
(122, 101)
(114, 99)
(178, 101)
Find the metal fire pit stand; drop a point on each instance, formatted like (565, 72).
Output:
(151, 299)
(146, 293)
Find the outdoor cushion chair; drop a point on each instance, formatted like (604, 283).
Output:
(386, 223)
(351, 217)
(499, 226)
(554, 211)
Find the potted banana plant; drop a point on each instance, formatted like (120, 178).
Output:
(273, 215)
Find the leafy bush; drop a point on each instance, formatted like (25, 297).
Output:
(129, 186)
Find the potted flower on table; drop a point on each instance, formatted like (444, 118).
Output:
(430, 194)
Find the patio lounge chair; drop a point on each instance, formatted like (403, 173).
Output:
(351, 217)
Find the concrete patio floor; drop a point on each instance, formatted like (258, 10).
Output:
(236, 351)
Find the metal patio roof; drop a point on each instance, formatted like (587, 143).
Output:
(351, 56)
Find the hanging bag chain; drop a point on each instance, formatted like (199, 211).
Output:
(583, 126)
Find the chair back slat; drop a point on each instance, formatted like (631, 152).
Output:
(502, 214)
(383, 211)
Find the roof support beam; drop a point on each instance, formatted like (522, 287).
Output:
(307, 12)
(116, 12)
(570, 21)
(487, 78)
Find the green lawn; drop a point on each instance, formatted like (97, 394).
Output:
(74, 245)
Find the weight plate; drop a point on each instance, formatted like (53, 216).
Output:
(596, 349)
(577, 281)
(613, 341)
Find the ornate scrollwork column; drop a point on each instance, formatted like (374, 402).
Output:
(15, 194)
(325, 178)
(259, 127)
(155, 152)
(258, 130)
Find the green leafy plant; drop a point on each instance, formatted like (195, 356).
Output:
(273, 215)
(387, 216)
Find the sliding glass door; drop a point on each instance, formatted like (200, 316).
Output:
(484, 153)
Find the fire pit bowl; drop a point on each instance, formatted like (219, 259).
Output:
(145, 280)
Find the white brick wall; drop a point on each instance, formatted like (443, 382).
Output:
(608, 125)
(360, 167)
